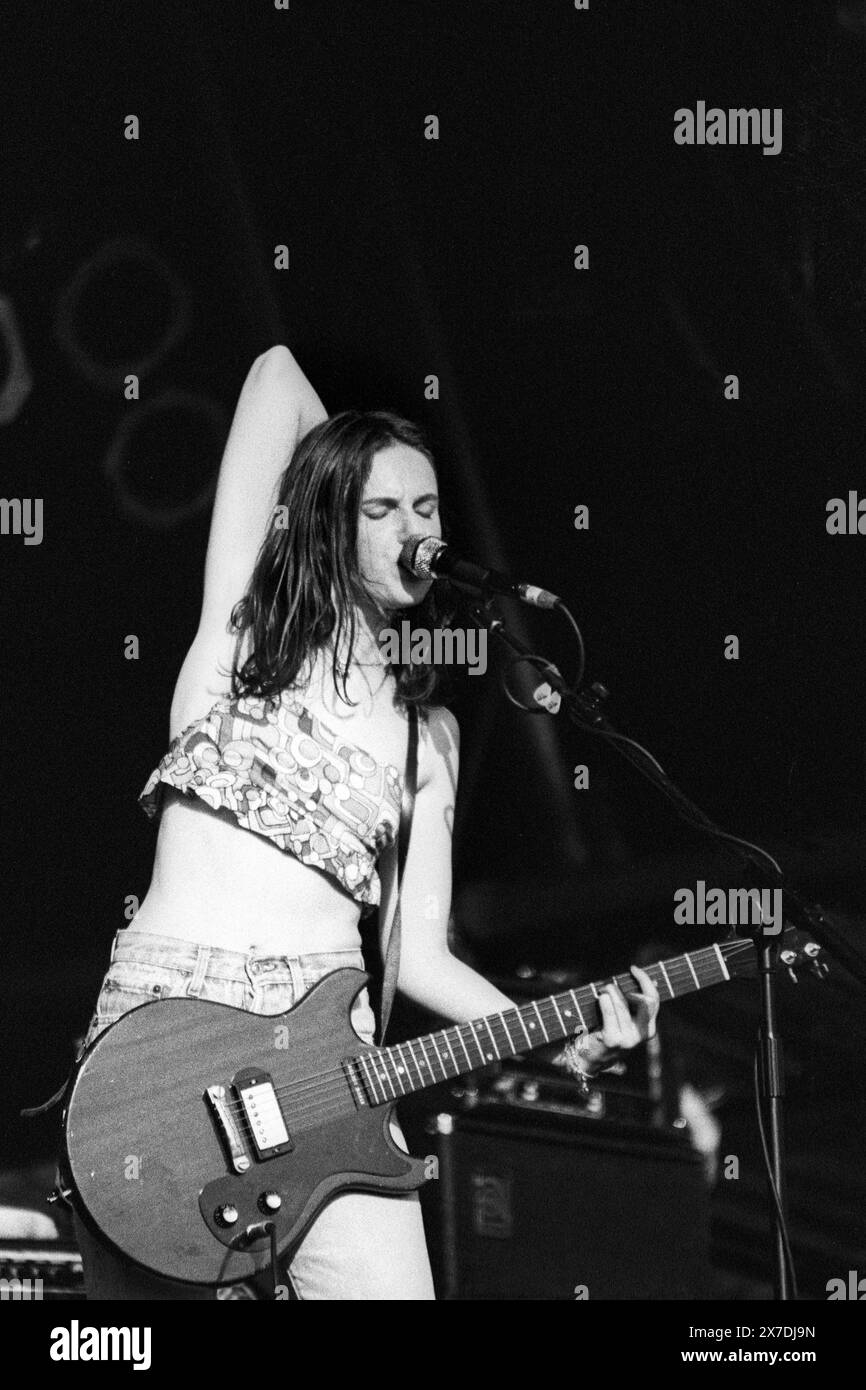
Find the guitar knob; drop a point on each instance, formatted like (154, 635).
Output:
(270, 1201)
(227, 1215)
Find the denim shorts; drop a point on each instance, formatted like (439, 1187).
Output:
(145, 967)
(362, 1245)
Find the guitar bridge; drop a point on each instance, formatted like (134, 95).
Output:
(228, 1128)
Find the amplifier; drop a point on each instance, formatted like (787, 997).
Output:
(532, 1205)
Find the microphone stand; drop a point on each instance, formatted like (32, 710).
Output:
(584, 708)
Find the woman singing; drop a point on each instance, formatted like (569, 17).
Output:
(258, 887)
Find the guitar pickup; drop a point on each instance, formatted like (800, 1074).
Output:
(256, 1093)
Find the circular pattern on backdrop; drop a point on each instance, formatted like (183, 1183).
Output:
(18, 382)
(161, 515)
(106, 262)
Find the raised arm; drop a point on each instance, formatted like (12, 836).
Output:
(277, 407)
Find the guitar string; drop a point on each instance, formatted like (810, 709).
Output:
(332, 1088)
(336, 1079)
(326, 1102)
(316, 1079)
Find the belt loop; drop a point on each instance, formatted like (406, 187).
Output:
(202, 960)
(299, 988)
(114, 944)
(249, 961)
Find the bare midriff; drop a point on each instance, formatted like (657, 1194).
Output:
(220, 885)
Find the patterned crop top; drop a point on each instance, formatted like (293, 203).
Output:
(285, 775)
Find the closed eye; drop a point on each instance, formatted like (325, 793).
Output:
(376, 508)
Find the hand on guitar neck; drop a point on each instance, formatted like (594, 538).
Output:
(623, 1027)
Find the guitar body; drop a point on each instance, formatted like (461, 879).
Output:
(158, 1161)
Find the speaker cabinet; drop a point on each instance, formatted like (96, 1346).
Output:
(542, 1207)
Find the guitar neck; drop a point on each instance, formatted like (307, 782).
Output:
(391, 1072)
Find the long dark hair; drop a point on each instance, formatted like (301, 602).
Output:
(306, 581)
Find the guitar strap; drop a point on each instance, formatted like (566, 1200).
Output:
(392, 955)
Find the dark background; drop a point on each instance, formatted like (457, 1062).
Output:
(558, 387)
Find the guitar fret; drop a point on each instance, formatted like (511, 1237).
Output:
(519, 1013)
(471, 1026)
(507, 1033)
(441, 1059)
(409, 1076)
(532, 1026)
(383, 1058)
(558, 1013)
(448, 1045)
(726, 974)
(579, 1010)
(365, 1057)
(687, 959)
(666, 978)
(401, 1069)
(427, 1059)
(393, 1071)
(541, 1021)
(459, 1032)
(493, 1040)
(424, 1058)
(415, 1060)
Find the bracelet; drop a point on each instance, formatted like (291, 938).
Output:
(570, 1055)
(584, 1082)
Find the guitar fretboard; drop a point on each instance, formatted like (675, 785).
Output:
(390, 1072)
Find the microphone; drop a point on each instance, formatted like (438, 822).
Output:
(427, 557)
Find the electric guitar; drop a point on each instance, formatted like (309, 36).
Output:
(196, 1134)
